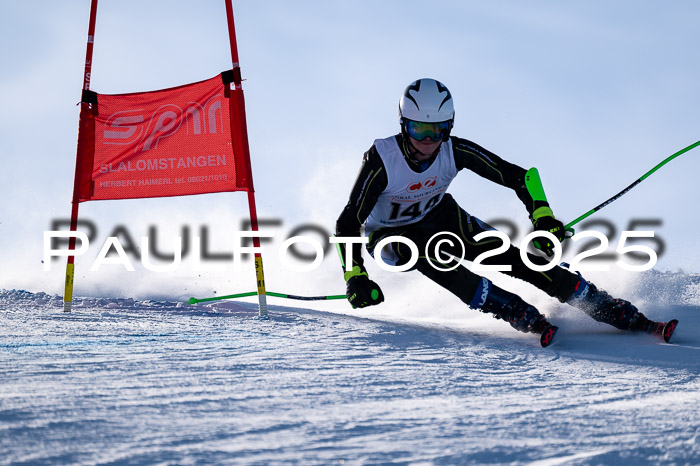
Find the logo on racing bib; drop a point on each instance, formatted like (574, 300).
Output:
(417, 186)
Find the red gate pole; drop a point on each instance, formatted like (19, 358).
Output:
(240, 143)
(70, 265)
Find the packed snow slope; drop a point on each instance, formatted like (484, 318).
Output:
(122, 381)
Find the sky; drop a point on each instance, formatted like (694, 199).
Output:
(593, 94)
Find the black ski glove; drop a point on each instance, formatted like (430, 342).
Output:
(363, 292)
(550, 224)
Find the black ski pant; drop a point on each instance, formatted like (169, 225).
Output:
(448, 216)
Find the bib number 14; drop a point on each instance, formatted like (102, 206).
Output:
(414, 210)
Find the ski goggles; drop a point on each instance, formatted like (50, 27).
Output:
(419, 130)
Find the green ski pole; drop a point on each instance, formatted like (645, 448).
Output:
(569, 225)
(268, 293)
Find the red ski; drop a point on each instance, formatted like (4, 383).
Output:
(664, 330)
(548, 335)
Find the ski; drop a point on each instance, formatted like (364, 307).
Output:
(664, 330)
(548, 335)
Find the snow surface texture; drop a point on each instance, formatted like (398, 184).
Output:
(124, 381)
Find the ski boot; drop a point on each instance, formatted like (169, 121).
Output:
(619, 313)
(511, 308)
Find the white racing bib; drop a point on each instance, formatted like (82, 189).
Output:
(409, 196)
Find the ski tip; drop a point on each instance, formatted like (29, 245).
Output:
(668, 330)
(547, 335)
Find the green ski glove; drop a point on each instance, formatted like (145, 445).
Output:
(543, 220)
(360, 290)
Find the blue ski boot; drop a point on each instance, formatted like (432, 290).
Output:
(511, 308)
(604, 308)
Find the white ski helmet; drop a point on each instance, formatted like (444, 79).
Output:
(428, 101)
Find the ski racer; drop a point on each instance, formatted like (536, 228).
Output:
(401, 191)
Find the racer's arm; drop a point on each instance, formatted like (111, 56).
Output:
(492, 167)
(526, 184)
(370, 183)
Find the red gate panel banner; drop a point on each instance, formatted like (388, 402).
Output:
(172, 142)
